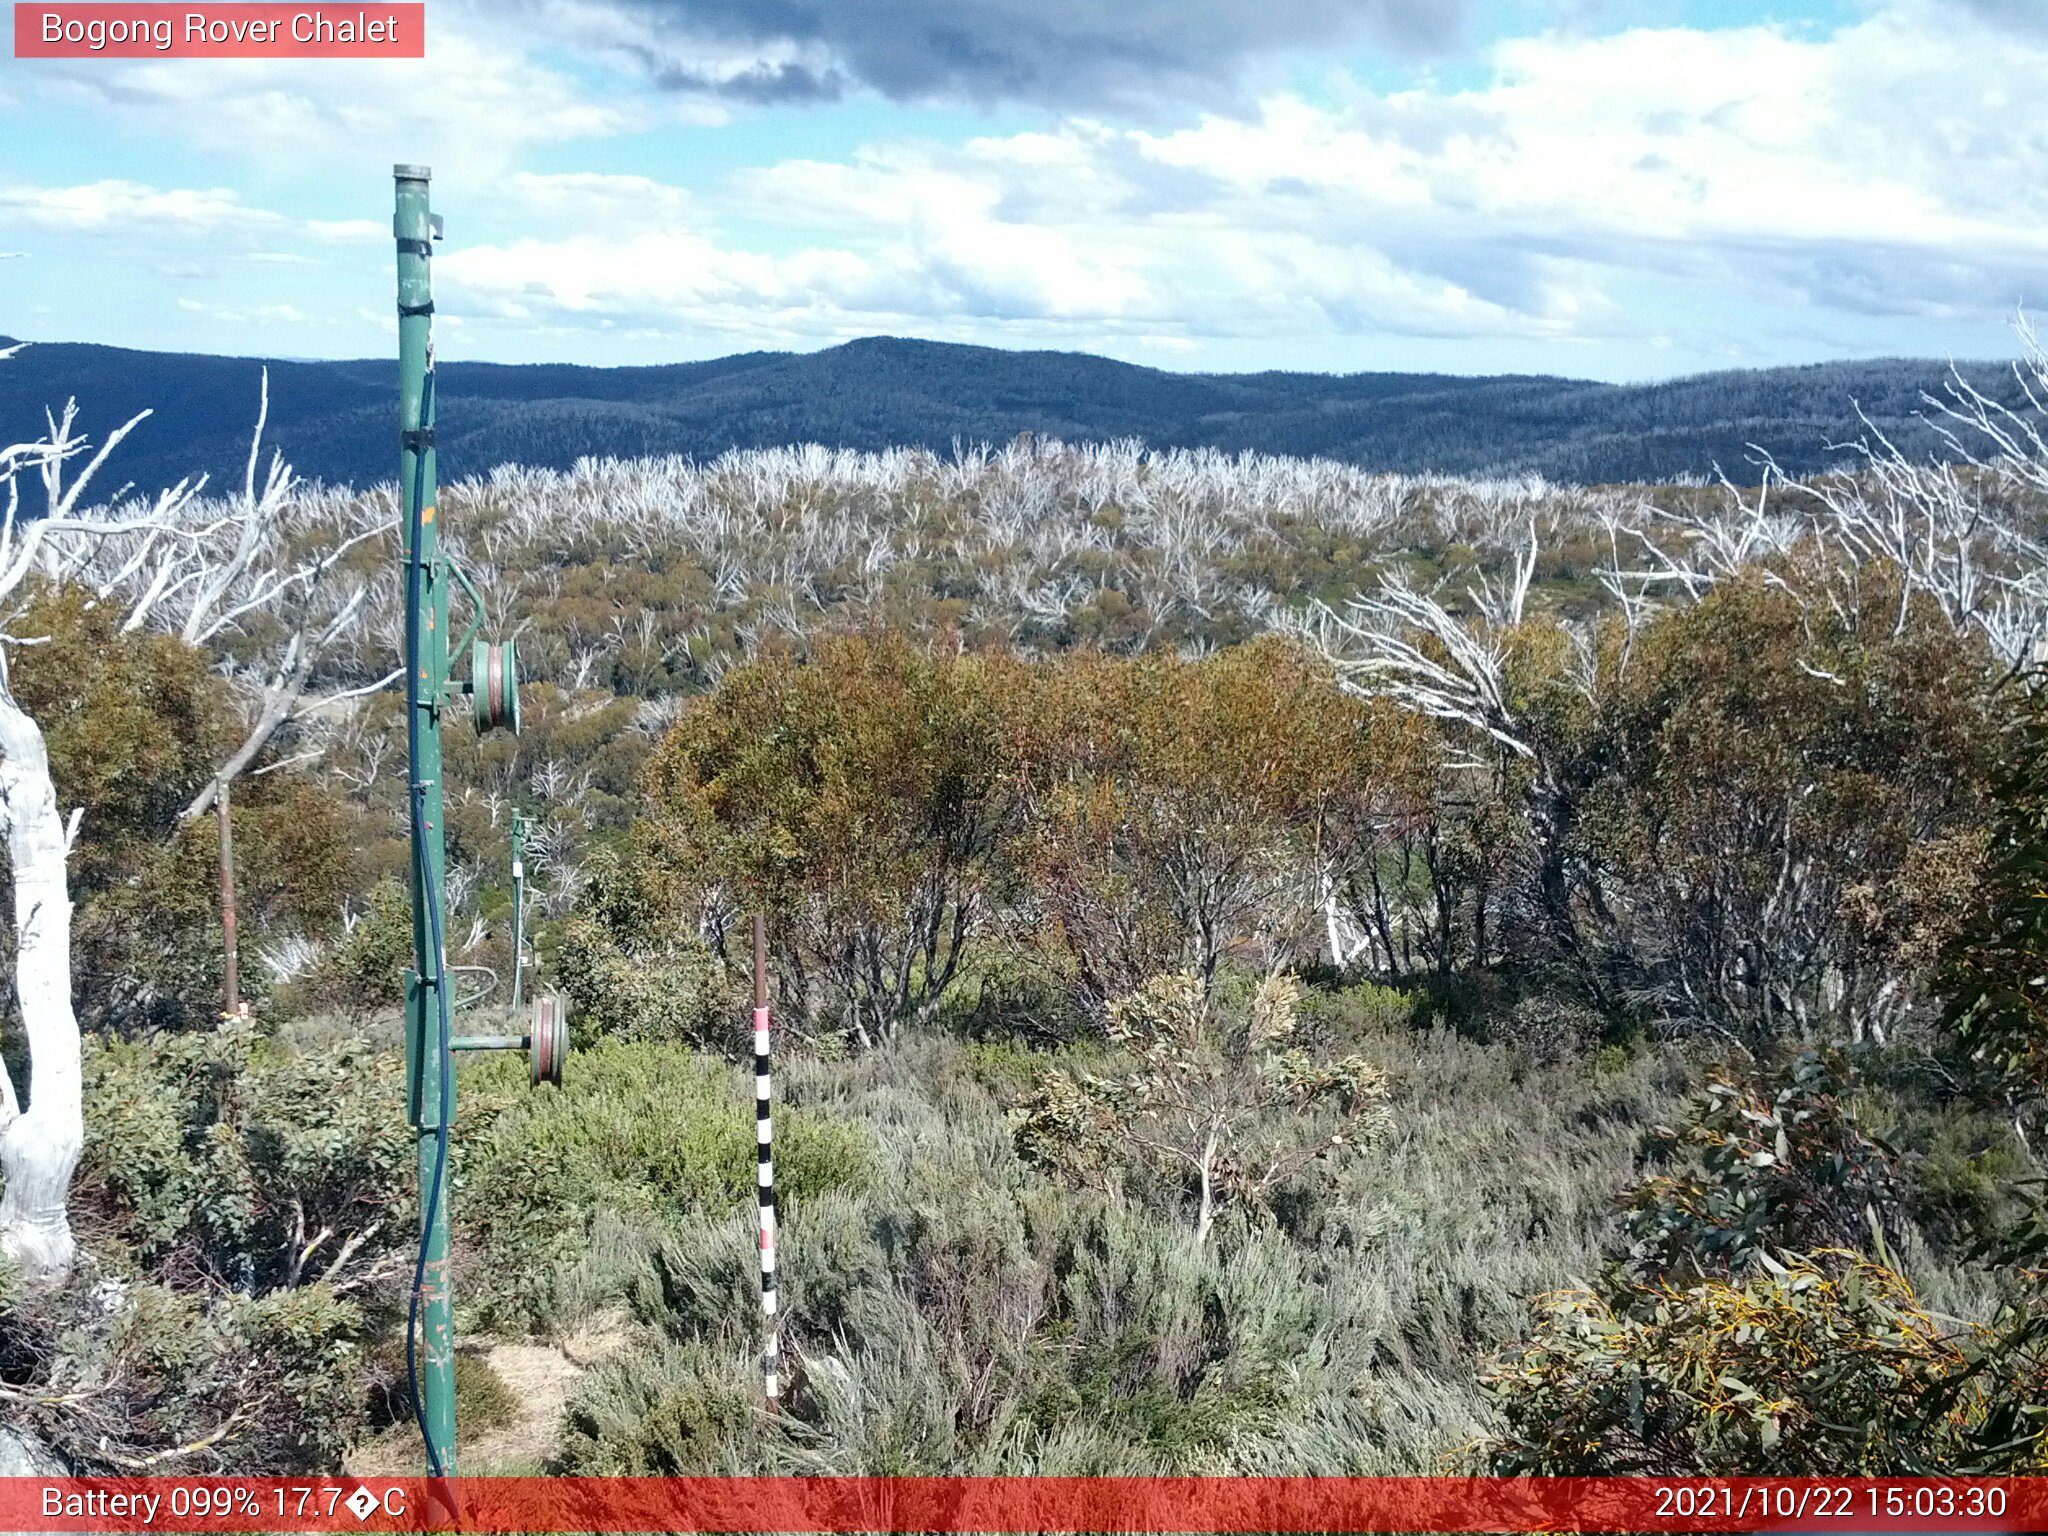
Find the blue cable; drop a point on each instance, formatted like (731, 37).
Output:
(424, 870)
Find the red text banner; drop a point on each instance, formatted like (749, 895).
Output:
(1050, 1504)
(220, 31)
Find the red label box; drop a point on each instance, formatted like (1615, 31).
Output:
(221, 31)
(988, 1505)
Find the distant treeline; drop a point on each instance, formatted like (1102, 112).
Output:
(334, 419)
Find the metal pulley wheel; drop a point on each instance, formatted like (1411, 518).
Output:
(548, 1040)
(494, 685)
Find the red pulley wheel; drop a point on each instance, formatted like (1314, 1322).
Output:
(548, 1041)
(494, 685)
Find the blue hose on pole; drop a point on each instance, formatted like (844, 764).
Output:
(414, 702)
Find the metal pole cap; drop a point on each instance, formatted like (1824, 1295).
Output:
(412, 173)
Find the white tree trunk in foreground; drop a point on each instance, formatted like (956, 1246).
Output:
(221, 563)
(39, 1145)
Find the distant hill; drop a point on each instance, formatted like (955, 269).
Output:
(336, 421)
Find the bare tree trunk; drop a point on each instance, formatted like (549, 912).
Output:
(39, 1145)
(230, 980)
(277, 708)
(1207, 1217)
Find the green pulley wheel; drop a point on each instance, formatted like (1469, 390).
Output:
(494, 685)
(548, 1040)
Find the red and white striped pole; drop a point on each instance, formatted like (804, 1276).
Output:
(764, 1138)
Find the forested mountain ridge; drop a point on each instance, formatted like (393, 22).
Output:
(333, 420)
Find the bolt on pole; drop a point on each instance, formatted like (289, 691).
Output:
(429, 1065)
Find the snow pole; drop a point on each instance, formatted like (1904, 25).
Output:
(764, 1138)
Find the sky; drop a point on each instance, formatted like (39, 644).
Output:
(1582, 187)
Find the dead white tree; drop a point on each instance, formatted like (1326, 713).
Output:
(212, 567)
(1963, 531)
(40, 1140)
(1942, 525)
(255, 564)
(1405, 645)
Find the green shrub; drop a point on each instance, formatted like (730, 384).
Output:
(364, 972)
(638, 1130)
(1804, 1369)
(1007, 993)
(261, 1167)
(1995, 1007)
(303, 1385)
(1765, 1161)
(482, 1400)
(632, 969)
(961, 1313)
(1213, 1102)
(267, 1384)
(1547, 1029)
(1965, 1173)
(861, 797)
(1718, 1346)
(1356, 1012)
(680, 1411)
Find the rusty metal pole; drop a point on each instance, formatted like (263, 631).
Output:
(765, 1155)
(231, 981)
(518, 911)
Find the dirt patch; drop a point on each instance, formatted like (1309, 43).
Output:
(541, 1378)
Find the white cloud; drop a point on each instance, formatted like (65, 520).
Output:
(1641, 186)
(245, 314)
(484, 95)
(118, 211)
(345, 231)
(1880, 169)
(117, 205)
(593, 200)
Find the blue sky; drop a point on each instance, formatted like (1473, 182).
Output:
(1580, 187)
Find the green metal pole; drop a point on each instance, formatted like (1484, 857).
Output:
(518, 908)
(427, 1058)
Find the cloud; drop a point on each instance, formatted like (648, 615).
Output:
(245, 314)
(1880, 170)
(1126, 54)
(100, 206)
(594, 200)
(133, 216)
(952, 242)
(2025, 15)
(1651, 186)
(348, 231)
(488, 92)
